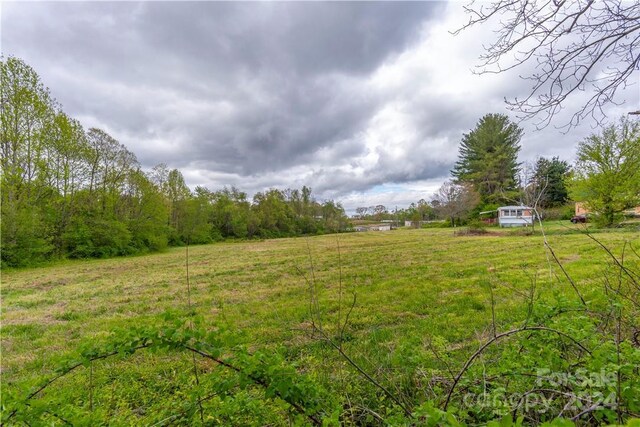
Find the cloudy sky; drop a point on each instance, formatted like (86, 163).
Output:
(363, 102)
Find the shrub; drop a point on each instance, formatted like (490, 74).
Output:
(436, 224)
(558, 213)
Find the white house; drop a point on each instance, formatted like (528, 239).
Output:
(376, 227)
(515, 216)
(380, 227)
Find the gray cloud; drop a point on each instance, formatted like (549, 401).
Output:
(343, 97)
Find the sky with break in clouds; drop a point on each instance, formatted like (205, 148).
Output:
(364, 102)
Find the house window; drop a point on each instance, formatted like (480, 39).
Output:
(519, 212)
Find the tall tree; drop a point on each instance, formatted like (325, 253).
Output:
(333, 216)
(26, 118)
(362, 211)
(230, 214)
(607, 172)
(178, 194)
(68, 172)
(551, 175)
(275, 216)
(65, 192)
(148, 212)
(488, 158)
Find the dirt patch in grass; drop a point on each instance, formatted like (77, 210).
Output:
(570, 258)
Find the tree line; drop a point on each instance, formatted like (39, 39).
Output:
(71, 192)
(605, 177)
(488, 175)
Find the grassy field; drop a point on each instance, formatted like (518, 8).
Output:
(413, 288)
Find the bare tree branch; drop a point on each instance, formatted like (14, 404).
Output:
(577, 46)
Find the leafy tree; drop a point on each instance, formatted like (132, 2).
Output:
(607, 172)
(305, 209)
(425, 211)
(148, 212)
(67, 165)
(488, 158)
(197, 228)
(333, 216)
(178, 195)
(417, 212)
(379, 212)
(455, 201)
(26, 117)
(65, 192)
(362, 211)
(275, 216)
(230, 215)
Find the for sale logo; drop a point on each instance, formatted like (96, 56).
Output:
(565, 392)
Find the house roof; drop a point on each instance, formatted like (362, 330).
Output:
(514, 207)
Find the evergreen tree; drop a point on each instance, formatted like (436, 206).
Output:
(551, 175)
(488, 158)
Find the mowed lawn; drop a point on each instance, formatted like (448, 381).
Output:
(411, 287)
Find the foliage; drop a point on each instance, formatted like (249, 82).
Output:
(565, 212)
(476, 227)
(488, 158)
(607, 172)
(71, 193)
(454, 201)
(253, 312)
(277, 379)
(552, 175)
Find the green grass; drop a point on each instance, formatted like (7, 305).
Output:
(413, 287)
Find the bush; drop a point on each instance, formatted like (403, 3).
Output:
(436, 224)
(99, 238)
(23, 243)
(477, 226)
(558, 213)
(474, 228)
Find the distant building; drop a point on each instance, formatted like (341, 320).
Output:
(515, 216)
(373, 227)
(582, 210)
(381, 227)
(418, 224)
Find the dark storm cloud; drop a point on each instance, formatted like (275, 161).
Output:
(240, 88)
(292, 38)
(343, 97)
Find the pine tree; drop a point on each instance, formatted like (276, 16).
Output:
(488, 158)
(551, 175)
